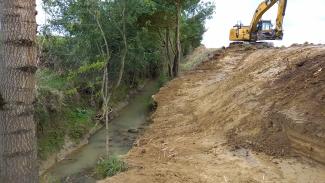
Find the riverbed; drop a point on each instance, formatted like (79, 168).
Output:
(77, 168)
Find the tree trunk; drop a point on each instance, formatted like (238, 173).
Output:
(169, 60)
(125, 44)
(105, 91)
(125, 50)
(106, 96)
(18, 57)
(177, 59)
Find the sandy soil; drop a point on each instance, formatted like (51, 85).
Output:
(247, 115)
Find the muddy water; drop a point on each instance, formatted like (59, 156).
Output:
(131, 117)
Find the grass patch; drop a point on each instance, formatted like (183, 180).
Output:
(162, 80)
(79, 121)
(50, 143)
(49, 179)
(110, 167)
(47, 79)
(61, 111)
(50, 131)
(73, 121)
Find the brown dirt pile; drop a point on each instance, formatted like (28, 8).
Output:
(293, 120)
(235, 117)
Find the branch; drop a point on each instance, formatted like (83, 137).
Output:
(102, 34)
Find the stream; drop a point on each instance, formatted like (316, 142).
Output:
(74, 169)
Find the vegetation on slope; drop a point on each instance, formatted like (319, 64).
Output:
(110, 167)
(134, 40)
(59, 114)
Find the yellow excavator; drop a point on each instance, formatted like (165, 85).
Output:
(261, 29)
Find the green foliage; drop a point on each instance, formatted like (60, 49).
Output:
(110, 167)
(54, 126)
(74, 56)
(56, 114)
(93, 73)
(49, 179)
(79, 121)
(163, 79)
(48, 79)
(82, 47)
(58, 52)
(192, 27)
(71, 92)
(87, 69)
(120, 94)
(151, 105)
(50, 143)
(49, 103)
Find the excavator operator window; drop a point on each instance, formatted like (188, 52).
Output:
(264, 25)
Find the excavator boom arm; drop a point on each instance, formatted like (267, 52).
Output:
(260, 11)
(281, 13)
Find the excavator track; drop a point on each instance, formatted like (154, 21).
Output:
(249, 44)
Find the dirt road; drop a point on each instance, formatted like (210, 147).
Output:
(247, 115)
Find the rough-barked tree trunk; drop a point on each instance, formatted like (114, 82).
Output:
(18, 54)
(177, 59)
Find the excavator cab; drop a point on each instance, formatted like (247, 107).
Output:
(265, 30)
(264, 25)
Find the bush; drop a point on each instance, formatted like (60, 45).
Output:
(110, 167)
(163, 79)
(50, 143)
(79, 121)
(151, 105)
(49, 179)
(50, 80)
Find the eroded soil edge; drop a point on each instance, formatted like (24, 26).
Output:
(243, 116)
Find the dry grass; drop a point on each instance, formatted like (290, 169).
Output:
(198, 56)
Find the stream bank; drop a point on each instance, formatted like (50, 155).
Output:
(236, 118)
(70, 146)
(124, 129)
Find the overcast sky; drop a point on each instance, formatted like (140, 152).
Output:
(304, 20)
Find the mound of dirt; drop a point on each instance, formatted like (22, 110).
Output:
(243, 116)
(295, 120)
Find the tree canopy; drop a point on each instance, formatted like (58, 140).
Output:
(146, 22)
(133, 39)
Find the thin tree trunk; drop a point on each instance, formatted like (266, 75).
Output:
(177, 59)
(18, 59)
(107, 134)
(125, 50)
(106, 93)
(169, 60)
(108, 90)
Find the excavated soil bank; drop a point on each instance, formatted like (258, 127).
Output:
(247, 115)
(295, 122)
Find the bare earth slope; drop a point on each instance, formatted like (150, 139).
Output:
(248, 115)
